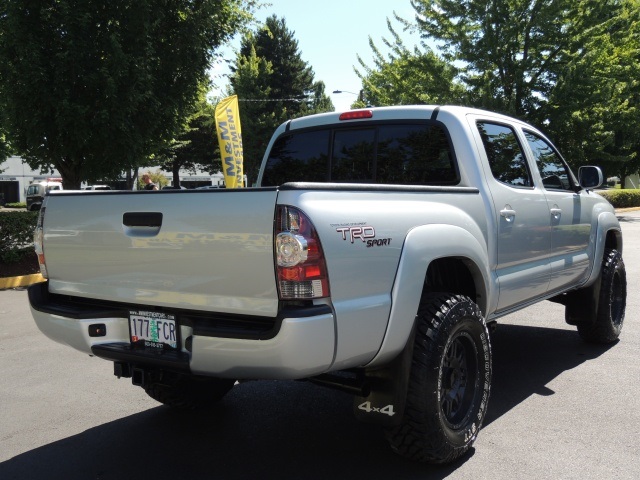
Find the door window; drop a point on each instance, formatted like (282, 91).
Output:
(506, 159)
(554, 172)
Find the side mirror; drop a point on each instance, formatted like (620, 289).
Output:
(590, 177)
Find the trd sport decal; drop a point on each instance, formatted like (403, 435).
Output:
(365, 233)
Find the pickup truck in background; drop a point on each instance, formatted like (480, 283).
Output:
(379, 249)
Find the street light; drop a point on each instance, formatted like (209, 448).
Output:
(360, 95)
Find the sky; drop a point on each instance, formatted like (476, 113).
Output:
(331, 34)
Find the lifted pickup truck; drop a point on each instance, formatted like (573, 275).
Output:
(373, 256)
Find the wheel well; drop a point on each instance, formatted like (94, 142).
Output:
(455, 275)
(613, 240)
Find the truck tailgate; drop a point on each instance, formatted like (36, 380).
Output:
(203, 250)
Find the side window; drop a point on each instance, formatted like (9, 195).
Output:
(554, 172)
(506, 159)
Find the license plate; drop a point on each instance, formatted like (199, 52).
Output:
(153, 329)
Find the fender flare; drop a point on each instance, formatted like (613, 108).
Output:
(421, 246)
(606, 222)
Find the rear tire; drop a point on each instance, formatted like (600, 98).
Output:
(449, 382)
(612, 302)
(187, 393)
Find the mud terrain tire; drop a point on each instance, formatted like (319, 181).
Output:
(449, 382)
(611, 304)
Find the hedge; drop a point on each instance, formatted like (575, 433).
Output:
(16, 234)
(16, 205)
(622, 198)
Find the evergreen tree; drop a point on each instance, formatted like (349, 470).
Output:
(273, 84)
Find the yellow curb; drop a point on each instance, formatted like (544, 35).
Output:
(24, 281)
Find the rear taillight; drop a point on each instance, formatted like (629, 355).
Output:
(38, 237)
(301, 269)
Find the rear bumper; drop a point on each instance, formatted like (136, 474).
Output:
(298, 344)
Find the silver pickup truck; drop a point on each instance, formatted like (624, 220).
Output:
(377, 252)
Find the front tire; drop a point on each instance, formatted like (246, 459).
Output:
(612, 302)
(449, 382)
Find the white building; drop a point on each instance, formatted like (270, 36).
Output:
(15, 177)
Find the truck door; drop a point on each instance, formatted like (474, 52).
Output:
(522, 217)
(570, 214)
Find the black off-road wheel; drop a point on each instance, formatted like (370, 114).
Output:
(612, 302)
(449, 382)
(187, 393)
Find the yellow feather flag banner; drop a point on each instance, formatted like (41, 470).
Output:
(230, 141)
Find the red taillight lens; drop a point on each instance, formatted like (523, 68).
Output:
(300, 264)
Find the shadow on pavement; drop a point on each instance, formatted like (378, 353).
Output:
(526, 359)
(286, 430)
(627, 219)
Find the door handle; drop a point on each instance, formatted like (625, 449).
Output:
(508, 213)
(141, 224)
(555, 212)
(142, 219)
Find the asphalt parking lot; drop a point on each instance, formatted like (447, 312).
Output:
(559, 409)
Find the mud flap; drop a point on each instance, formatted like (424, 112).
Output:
(582, 305)
(387, 390)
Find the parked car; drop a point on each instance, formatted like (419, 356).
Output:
(97, 187)
(36, 192)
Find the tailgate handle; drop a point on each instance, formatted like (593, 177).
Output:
(142, 219)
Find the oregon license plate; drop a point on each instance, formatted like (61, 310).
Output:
(153, 329)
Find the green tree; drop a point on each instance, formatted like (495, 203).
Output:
(570, 66)
(596, 103)
(509, 51)
(273, 84)
(93, 88)
(196, 146)
(5, 150)
(407, 77)
(258, 117)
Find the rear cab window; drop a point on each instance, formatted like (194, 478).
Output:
(386, 153)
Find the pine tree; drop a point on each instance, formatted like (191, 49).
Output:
(273, 84)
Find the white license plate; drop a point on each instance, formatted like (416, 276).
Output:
(153, 329)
